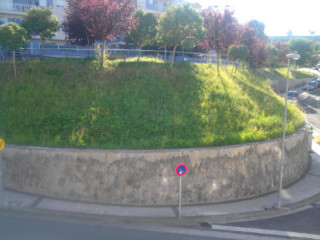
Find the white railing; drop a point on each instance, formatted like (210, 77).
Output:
(19, 7)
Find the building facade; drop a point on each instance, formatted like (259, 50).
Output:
(160, 6)
(14, 10)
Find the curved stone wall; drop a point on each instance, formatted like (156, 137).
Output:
(147, 177)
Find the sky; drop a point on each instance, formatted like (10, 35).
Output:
(279, 16)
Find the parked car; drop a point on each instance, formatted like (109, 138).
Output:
(293, 94)
(312, 85)
(318, 82)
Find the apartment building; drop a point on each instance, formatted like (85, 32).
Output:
(14, 10)
(159, 6)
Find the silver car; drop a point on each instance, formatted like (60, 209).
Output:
(312, 85)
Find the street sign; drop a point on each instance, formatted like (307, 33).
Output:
(181, 169)
(2, 143)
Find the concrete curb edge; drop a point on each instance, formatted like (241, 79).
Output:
(272, 212)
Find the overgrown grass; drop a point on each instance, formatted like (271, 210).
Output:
(282, 72)
(130, 105)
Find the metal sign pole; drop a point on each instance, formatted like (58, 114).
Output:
(181, 170)
(180, 198)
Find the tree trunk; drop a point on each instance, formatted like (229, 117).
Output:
(218, 62)
(42, 43)
(165, 52)
(173, 54)
(103, 52)
(14, 62)
(88, 41)
(183, 55)
(139, 54)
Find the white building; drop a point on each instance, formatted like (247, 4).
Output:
(14, 10)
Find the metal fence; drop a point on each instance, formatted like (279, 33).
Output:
(56, 51)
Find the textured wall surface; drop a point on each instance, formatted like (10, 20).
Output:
(147, 177)
(278, 84)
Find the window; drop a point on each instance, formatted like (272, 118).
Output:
(7, 20)
(3, 21)
(15, 20)
(60, 4)
(43, 3)
(50, 3)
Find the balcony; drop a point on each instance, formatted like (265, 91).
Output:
(15, 7)
(155, 6)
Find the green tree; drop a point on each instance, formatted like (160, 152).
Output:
(13, 37)
(272, 55)
(41, 22)
(180, 26)
(304, 48)
(258, 28)
(238, 53)
(145, 31)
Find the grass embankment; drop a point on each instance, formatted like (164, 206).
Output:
(70, 103)
(282, 72)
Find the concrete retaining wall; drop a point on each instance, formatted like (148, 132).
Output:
(278, 84)
(147, 177)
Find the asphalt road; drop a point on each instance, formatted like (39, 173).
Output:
(309, 104)
(19, 226)
(15, 226)
(306, 221)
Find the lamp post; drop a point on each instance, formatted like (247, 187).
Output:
(293, 75)
(294, 56)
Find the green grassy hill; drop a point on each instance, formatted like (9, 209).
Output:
(130, 105)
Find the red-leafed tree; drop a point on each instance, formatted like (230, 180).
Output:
(104, 19)
(222, 31)
(283, 50)
(74, 27)
(257, 54)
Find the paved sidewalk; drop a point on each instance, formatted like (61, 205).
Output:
(304, 192)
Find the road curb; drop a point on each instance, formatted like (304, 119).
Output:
(272, 212)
